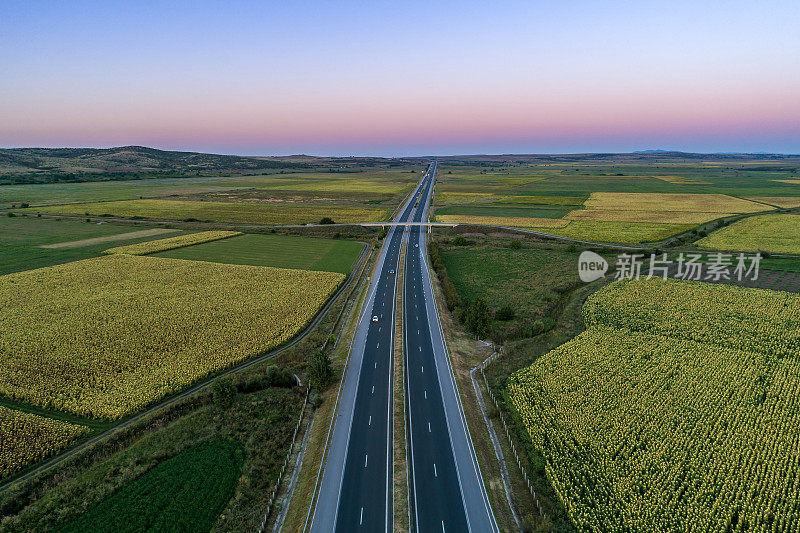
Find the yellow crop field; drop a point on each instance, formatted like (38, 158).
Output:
(786, 202)
(611, 231)
(792, 182)
(107, 336)
(700, 203)
(27, 438)
(544, 200)
(520, 222)
(772, 233)
(268, 214)
(682, 180)
(757, 320)
(171, 243)
(664, 217)
(651, 420)
(345, 185)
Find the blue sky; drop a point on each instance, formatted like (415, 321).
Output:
(386, 78)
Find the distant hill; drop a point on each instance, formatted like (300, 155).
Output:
(52, 165)
(33, 165)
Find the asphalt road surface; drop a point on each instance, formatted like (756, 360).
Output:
(446, 490)
(355, 492)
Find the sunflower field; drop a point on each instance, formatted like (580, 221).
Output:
(673, 411)
(107, 336)
(26, 438)
(171, 243)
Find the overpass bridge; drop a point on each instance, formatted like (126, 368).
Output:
(427, 224)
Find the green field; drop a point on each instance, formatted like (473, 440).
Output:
(101, 191)
(21, 239)
(184, 493)
(528, 280)
(241, 213)
(276, 251)
(345, 188)
(504, 211)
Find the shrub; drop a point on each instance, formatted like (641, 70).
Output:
(223, 392)
(515, 244)
(319, 370)
(505, 313)
(326, 220)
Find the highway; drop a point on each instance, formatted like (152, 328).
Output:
(355, 491)
(446, 492)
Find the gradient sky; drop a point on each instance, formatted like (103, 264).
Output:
(402, 78)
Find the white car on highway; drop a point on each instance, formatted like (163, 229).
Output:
(375, 318)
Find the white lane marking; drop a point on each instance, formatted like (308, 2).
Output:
(361, 520)
(380, 328)
(426, 394)
(429, 427)
(366, 458)
(373, 389)
(379, 345)
(434, 471)
(443, 526)
(420, 348)
(423, 368)
(370, 421)
(376, 364)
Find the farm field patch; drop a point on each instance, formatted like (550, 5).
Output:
(183, 493)
(772, 233)
(276, 251)
(41, 194)
(637, 432)
(107, 336)
(109, 238)
(504, 221)
(162, 245)
(630, 215)
(346, 185)
(786, 202)
(613, 231)
(696, 203)
(27, 438)
(242, 213)
(147, 478)
(504, 211)
(514, 277)
(28, 242)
